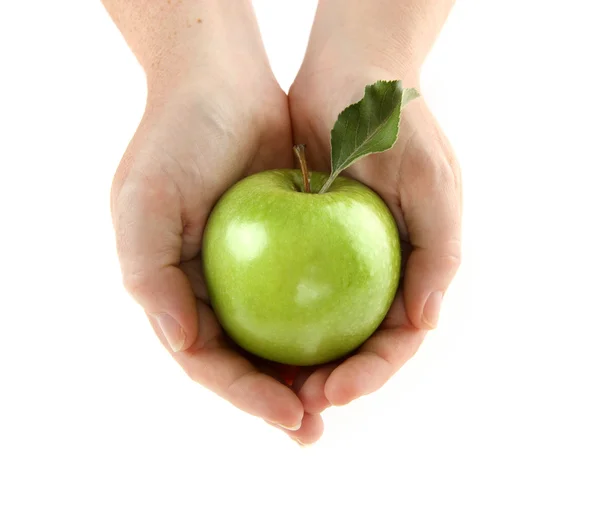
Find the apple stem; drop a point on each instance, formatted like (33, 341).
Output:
(300, 151)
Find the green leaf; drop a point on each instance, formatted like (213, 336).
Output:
(408, 94)
(371, 125)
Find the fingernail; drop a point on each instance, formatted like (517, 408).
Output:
(174, 333)
(431, 311)
(293, 428)
(301, 444)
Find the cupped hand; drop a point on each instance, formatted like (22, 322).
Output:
(419, 180)
(193, 143)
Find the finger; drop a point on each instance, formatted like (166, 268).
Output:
(431, 203)
(311, 390)
(148, 225)
(214, 365)
(193, 271)
(310, 431)
(374, 364)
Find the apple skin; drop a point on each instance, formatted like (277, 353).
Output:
(300, 278)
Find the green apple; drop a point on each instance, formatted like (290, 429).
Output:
(300, 278)
(302, 268)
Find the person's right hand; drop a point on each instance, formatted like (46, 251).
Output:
(195, 140)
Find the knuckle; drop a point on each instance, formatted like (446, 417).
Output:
(121, 238)
(121, 176)
(142, 182)
(452, 258)
(193, 374)
(453, 163)
(448, 177)
(136, 282)
(145, 191)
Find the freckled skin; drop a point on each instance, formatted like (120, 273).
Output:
(300, 278)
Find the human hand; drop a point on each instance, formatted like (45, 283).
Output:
(419, 180)
(195, 140)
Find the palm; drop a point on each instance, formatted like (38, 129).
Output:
(268, 147)
(244, 153)
(396, 176)
(184, 156)
(254, 385)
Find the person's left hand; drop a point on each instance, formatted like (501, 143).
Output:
(419, 180)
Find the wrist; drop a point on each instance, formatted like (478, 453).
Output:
(204, 45)
(393, 35)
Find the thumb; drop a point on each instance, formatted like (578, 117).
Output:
(432, 212)
(147, 219)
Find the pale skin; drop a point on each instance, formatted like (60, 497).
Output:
(208, 81)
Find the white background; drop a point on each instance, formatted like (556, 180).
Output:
(501, 406)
